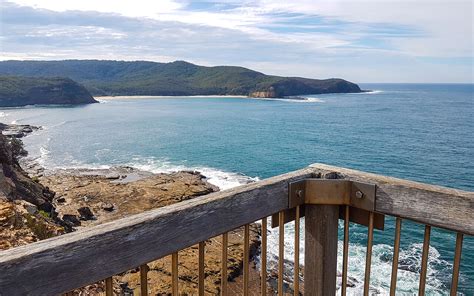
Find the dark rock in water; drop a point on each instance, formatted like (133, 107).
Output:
(409, 264)
(71, 220)
(107, 207)
(17, 130)
(13, 133)
(352, 281)
(86, 213)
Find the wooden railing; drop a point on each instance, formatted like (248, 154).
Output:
(62, 264)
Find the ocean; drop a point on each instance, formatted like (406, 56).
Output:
(421, 132)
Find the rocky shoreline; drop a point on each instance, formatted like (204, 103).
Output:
(61, 201)
(17, 130)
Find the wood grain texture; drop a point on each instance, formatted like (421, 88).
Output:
(63, 263)
(438, 206)
(76, 259)
(320, 258)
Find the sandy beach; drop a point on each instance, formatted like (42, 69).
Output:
(165, 97)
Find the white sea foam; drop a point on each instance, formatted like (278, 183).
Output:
(107, 98)
(315, 100)
(222, 179)
(3, 114)
(44, 155)
(290, 100)
(372, 92)
(369, 92)
(408, 273)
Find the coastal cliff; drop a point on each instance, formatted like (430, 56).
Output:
(26, 210)
(15, 184)
(270, 93)
(37, 204)
(179, 78)
(21, 91)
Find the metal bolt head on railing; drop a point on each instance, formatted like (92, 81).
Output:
(359, 194)
(299, 193)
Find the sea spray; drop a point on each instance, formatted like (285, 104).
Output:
(408, 272)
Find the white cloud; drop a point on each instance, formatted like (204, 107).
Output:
(358, 40)
(135, 8)
(84, 32)
(447, 25)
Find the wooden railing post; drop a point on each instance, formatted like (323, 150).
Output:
(321, 223)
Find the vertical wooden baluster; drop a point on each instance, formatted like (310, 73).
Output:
(224, 264)
(263, 278)
(396, 253)
(320, 239)
(109, 288)
(246, 259)
(281, 251)
(201, 268)
(424, 260)
(144, 279)
(345, 252)
(368, 258)
(296, 268)
(457, 260)
(174, 273)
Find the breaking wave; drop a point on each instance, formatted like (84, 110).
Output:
(222, 179)
(381, 267)
(293, 100)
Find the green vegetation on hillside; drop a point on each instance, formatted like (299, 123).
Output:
(22, 91)
(176, 78)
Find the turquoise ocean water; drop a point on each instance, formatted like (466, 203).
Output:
(419, 132)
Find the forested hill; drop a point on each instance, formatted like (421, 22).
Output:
(21, 91)
(177, 78)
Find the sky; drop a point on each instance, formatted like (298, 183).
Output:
(362, 41)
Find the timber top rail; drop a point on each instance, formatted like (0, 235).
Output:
(73, 260)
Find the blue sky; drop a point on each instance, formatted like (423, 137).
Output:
(363, 41)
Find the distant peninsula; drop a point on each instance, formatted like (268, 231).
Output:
(179, 78)
(18, 91)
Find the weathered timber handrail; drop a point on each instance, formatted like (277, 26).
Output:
(438, 206)
(77, 259)
(74, 260)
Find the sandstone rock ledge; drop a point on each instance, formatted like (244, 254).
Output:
(39, 204)
(96, 196)
(90, 197)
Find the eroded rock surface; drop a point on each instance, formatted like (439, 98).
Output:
(94, 197)
(46, 203)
